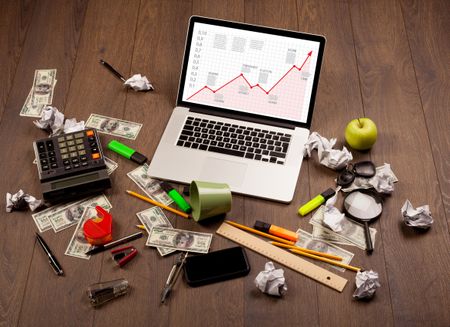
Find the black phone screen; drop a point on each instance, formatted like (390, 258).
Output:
(216, 266)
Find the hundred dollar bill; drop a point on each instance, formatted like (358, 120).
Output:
(155, 217)
(42, 89)
(178, 239)
(69, 215)
(149, 185)
(320, 233)
(351, 231)
(111, 165)
(78, 246)
(41, 218)
(306, 240)
(114, 126)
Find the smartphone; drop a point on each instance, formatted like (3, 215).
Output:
(216, 266)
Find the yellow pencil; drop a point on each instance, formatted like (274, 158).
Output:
(321, 254)
(141, 227)
(336, 263)
(179, 213)
(251, 230)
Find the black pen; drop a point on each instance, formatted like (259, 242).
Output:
(51, 258)
(112, 244)
(112, 70)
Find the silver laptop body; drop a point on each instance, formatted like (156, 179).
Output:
(244, 108)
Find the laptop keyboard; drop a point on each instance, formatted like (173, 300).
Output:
(235, 140)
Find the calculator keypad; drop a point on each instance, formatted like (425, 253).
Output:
(68, 154)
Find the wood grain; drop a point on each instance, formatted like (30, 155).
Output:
(390, 96)
(41, 49)
(14, 23)
(282, 15)
(102, 35)
(338, 102)
(387, 60)
(425, 22)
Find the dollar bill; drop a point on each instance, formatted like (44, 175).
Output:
(70, 214)
(78, 246)
(149, 185)
(41, 218)
(306, 240)
(42, 89)
(351, 231)
(155, 217)
(111, 165)
(178, 239)
(320, 233)
(30, 110)
(114, 126)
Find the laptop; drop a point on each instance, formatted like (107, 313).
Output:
(244, 108)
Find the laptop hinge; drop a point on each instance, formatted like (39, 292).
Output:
(246, 117)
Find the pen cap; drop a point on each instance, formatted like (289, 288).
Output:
(176, 197)
(328, 193)
(262, 226)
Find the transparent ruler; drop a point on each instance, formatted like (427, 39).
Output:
(281, 256)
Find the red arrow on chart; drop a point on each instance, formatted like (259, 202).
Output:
(256, 85)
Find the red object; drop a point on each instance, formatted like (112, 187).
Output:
(97, 230)
(124, 255)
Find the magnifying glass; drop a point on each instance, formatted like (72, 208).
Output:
(364, 206)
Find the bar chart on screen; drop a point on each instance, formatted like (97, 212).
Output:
(250, 71)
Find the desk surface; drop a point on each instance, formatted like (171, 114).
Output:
(384, 59)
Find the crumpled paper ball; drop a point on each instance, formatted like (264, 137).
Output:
(139, 83)
(21, 201)
(271, 281)
(329, 157)
(419, 217)
(366, 284)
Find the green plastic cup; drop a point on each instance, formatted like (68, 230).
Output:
(209, 199)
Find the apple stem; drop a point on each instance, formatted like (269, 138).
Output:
(359, 122)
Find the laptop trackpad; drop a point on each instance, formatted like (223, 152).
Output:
(223, 171)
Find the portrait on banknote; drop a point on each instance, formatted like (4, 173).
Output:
(109, 125)
(183, 240)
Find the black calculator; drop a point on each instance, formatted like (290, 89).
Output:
(71, 166)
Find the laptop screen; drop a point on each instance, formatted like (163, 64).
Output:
(251, 69)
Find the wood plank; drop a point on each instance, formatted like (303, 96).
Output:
(14, 22)
(41, 49)
(339, 102)
(424, 23)
(157, 53)
(300, 302)
(229, 301)
(106, 33)
(419, 294)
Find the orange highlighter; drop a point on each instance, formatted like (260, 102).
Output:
(276, 230)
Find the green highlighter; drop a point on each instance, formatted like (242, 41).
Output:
(127, 152)
(176, 197)
(315, 202)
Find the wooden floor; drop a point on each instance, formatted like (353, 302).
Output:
(384, 59)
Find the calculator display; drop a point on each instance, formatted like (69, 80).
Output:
(75, 180)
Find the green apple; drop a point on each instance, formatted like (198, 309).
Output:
(361, 133)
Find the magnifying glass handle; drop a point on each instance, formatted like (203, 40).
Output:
(369, 244)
